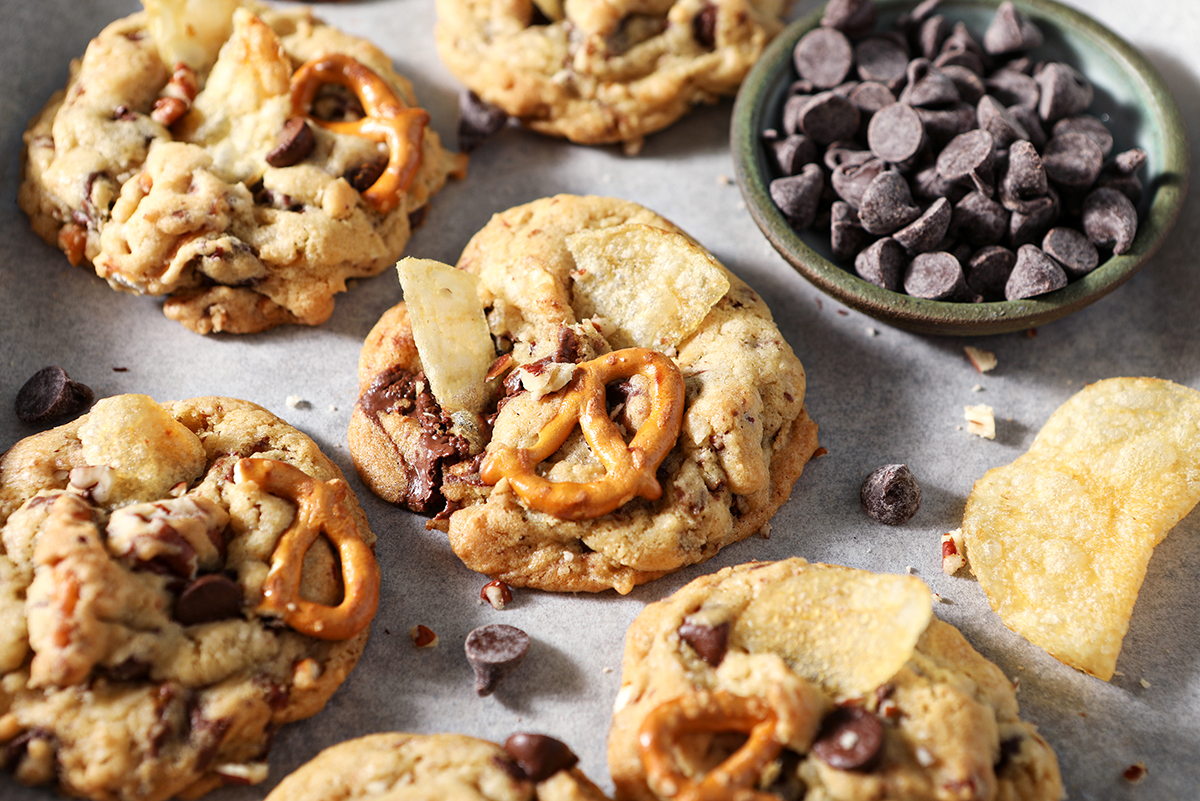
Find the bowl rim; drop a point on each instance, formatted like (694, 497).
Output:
(1167, 187)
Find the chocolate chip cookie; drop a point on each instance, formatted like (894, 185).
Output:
(598, 72)
(244, 165)
(692, 426)
(177, 580)
(799, 680)
(529, 767)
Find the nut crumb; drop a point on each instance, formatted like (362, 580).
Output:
(496, 593)
(423, 636)
(952, 552)
(1118, 673)
(765, 531)
(1145, 684)
(977, 388)
(1135, 772)
(606, 669)
(724, 179)
(983, 360)
(909, 569)
(981, 421)
(872, 332)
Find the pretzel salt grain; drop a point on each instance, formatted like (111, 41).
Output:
(388, 120)
(713, 712)
(320, 506)
(629, 468)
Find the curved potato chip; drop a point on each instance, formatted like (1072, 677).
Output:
(1060, 538)
(848, 630)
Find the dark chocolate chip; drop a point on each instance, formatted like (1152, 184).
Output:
(988, 270)
(364, 176)
(1121, 174)
(1073, 160)
(709, 642)
(895, 133)
(937, 276)
(850, 738)
(295, 142)
(1070, 248)
(928, 86)
(478, 121)
(1025, 179)
(792, 107)
(1064, 91)
(51, 395)
(207, 599)
(943, 124)
(961, 50)
(824, 57)
(931, 35)
(887, 205)
(1089, 125)
(967, 82)
(852, 17)
(704, 27)
(995, 118)
(1031, 222)
(851, 179)
(495, 651)
(798, 196)
(883, 59)
(1013, 88)
(1010, 32)
(869, 97)
(792, 152)
(1109, 219)
(929, 184)
(1031, 122)
(927, 231)
(979, 220)
(1034, 274)
(828, 117)
(882, 264)
(846, 234)
(539, 756)
(891, 494)
(969, 155)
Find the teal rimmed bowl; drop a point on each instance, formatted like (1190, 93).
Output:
(1130, 97)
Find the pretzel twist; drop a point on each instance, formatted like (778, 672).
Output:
(714, 712)
(388, 120)
(320, 506)
(629, 469)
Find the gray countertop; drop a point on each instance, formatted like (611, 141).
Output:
(879, 395)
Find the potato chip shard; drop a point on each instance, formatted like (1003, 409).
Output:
(1060, 538)
(190, 31)
(450, 331)
(655, 286)
(848, 630)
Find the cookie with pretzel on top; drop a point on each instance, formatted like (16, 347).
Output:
(177, 581)
(240, 161)
(794, 680)
(588, 401)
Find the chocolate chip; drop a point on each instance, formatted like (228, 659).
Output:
(495, 651)
(969, 155)
(1086, 124)
(931, 34)
(927, 231)
(792, 152)
(995, 118)
(961, 50)
(797, 196)
(943, 124)
(1109, 219)
(882, 264)
(207, 599)
(51, 395)
(936, 276)
(851, 17)
(1034, 274)
(883, 59)
(709, 642)
(1073, 160)
(704, 27)
(824, 57)
(295, 142)
(846, 234)
(364, 176)
(1025, 179)
(851, 179)
(895, 133)
(928, 86)
(891, 494)
(988, 270)
(478, 121)
(1074, 251)
(1121, 174)
(1028, 119)
(1009, 32)
(850, 738)
(869, 97)
(1030, 223)
(1064, 91)
(887, 205)
(828, 117)
(966, 81)
(539, 756)
(979, 220)
(1013, 88)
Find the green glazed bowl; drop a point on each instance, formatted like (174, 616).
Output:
(1130, 97)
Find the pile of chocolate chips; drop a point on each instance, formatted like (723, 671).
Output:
(945, 167)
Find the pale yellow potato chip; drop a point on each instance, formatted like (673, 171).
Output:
(654, 286)
(190, 31)
(848, 630)
(450, 332)
(1060, 538)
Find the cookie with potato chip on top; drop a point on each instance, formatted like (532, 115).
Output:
(241, 161)
(588, 401)
(796, 680)
(177, 581)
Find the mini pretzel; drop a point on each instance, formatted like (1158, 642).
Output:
(388, 120)
(629, 468)
(720, 711)
(320, 506)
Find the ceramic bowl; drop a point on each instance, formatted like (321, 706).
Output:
(1130, 97)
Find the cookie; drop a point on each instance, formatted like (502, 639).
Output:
(167, 598)
(597, 72)
(443, 766)
(741, 434)
(225, 163)
(845, 683)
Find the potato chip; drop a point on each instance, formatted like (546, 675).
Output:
(190, 31)
(848, 630)
(653, 285)
(1060, 538)
(450, 331)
